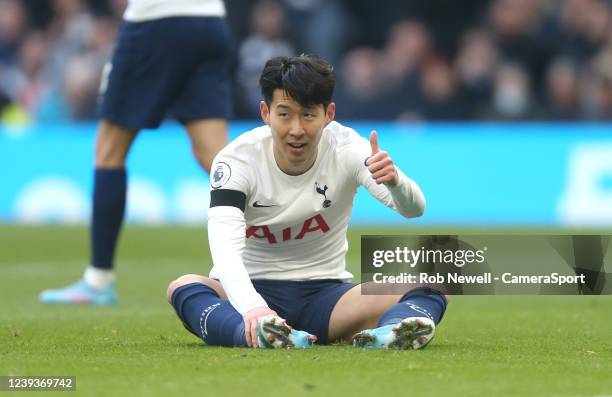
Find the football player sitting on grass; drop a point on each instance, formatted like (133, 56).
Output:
(280, 205)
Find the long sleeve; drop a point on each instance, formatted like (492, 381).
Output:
(226, 236)
(231, 179)
(406, 197)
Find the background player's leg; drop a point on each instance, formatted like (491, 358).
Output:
(110, 187)
(109, 194)
(208, 136)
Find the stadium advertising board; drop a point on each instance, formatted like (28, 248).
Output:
(508, 175)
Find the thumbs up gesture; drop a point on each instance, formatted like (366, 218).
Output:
(380, 164)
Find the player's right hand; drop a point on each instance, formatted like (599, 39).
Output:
(381, 165)
(250, 323)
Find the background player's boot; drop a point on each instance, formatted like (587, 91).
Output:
(80, 293)
(274, 333)
(410, 333)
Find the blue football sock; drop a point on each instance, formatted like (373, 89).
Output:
(208, 316)
(107, 215)
(420, 302)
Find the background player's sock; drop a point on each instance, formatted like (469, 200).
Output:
(98, 278)
(213, 319)
(107, 215)
(420, 302)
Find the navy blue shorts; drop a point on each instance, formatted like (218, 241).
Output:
(175, 67)
(306, 305)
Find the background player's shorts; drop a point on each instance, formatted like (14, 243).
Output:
(306, 305)
(176, 66)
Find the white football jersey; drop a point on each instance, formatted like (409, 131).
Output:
(292, 227)
(144, 10)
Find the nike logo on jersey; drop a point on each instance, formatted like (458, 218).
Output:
(257, 205)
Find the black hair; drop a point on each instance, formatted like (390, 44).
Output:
(307, 79)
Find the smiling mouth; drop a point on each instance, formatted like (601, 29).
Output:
(297, 145)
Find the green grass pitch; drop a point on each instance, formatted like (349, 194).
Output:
(486, 346)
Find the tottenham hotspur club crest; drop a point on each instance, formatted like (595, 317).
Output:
(326, 202)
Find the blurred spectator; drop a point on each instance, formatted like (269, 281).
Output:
(562, 91)
(318, 27)
(81, 87)
(81, 44)
(514, 18)
(116, 9)
(476, 64)
(31, 83)
(598, 24)
(360, 89)
(441, 98)
(597, 88)
(436, 60)
(408, 46)
(13, 27)
(582, 28)
(515, 25)
(512, 99)
(69, 34)
(265, 41)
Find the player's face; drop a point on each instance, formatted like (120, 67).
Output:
(296, 131)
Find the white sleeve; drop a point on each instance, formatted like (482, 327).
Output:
(406, 197)
(230, 183)
(226, 235)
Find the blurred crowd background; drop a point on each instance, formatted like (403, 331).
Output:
(395, 59)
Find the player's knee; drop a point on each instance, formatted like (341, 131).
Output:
(177, 283)
(184, 280)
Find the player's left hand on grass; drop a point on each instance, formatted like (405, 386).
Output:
(251, 319)
(380, 164)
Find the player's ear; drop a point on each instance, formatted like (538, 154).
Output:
(264, 110)
(330, 113)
